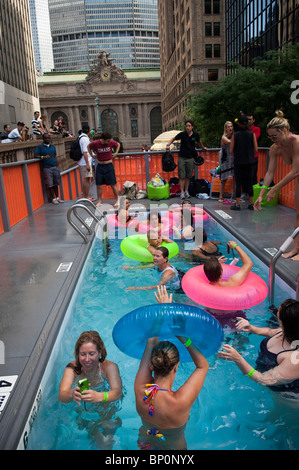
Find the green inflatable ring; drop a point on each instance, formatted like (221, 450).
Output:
(134, 247)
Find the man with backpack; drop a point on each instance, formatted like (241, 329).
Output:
(187, 154)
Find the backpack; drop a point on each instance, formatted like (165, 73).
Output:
(199, 186)
(168, 163)
(75, 150)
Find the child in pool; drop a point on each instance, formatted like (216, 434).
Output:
(155, 240)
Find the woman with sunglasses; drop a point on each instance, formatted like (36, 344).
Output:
(277, 365)
(286, 145)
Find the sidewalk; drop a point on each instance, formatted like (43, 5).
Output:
(34, 296)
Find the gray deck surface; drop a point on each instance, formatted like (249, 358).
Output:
(34, 296)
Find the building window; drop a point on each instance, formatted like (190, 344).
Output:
(216, 7)
(212, 75)
(208, 7)
(216, 29)
(208, 51)
(208, 29)
(134, 128)
(216, 50)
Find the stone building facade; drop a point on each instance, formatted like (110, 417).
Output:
(125, 103)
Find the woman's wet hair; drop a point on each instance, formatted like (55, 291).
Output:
(90, 337)
(279, 122)
(164, 357)
(289, 317)
(213, 269)
(151, 213)
(164, 251)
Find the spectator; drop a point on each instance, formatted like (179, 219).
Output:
(243, 147)
(36, 126)
(55, 128)
(257, 132)
(44, 126)
(47, 153)
(85, 163)
(6, 131)
(19, 134)
(187, 153)
(226, 160)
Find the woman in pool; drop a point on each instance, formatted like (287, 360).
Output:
(286, 145)
(91, 363)
(169, 274)
(277, 365)
(154, 221)
(203, 251)
(165, 412)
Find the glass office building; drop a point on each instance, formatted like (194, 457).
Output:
(254, 27)
(81, 29)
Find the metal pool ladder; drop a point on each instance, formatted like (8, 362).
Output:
(80, 205)
(277, 255)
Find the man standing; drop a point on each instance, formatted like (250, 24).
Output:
(19, 134)
(257, 132)
(51, 174)
(105, 173)
(187, 154)
(85, 163)
(36, 127)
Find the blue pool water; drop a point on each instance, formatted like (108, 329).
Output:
(231, 412)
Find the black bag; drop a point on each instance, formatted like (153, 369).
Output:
(198, 186)
(168, 163)
(75, 151)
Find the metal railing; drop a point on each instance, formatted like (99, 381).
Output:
(284, 247)
(74, 210)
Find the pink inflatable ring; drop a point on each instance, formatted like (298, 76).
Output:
(114, 223)
(196, 286)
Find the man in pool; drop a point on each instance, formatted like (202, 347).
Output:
(169, 275)
(213, 269)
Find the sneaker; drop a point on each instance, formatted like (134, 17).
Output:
(187, 194)
(235, 207)
(182, 195)
(54, 201)
(59, 200)
(250, 207)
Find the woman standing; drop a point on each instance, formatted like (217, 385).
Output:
(226, 160)
(286, 145)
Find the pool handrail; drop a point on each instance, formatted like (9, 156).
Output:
(80, 205)
(277, 255)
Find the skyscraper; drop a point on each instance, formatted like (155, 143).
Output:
(41, 35)
(81, 29)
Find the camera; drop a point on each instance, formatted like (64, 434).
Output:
(83, 385)
(228, 248)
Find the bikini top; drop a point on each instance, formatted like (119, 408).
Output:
(150, 393)
(267, 360)
(215, 253)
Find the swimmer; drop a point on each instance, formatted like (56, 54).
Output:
(169, 274)
(186, 231)
(91, 363)
(203, 251)
(122, 214)
(286, 145)
(277, 363)
(154, 221)
(165, 412)
(155, 240)
(213, 269)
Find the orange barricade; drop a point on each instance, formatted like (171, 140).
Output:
(15, 194)
(36, 189)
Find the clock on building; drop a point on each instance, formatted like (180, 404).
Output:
(105, 74)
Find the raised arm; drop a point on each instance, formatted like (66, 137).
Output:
(239, 277)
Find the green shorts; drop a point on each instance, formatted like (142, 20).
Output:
(185, 168)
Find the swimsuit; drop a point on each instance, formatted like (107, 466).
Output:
(268, 360)
(174, 282)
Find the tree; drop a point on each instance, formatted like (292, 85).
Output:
(260, 90)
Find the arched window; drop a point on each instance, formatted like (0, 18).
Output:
(58, 115)
(155, 122)
(109, 121)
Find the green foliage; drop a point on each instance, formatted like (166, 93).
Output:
(260, 90)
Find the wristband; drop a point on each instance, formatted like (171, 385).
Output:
(235, 246)
(105, 396)
(115, 154)
(188, 343)
(42, 157)
(250, 374)
(265, 187)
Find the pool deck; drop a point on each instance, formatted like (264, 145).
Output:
(34, 296)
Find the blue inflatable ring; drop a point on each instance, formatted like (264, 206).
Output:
(166, 321)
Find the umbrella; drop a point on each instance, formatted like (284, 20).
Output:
(162, 139)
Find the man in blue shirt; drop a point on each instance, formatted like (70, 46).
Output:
(51, 173)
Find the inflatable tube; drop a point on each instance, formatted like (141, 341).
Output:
(113, 222)
(196, 286)
(198, 215)
(166, 321)
(134, 247)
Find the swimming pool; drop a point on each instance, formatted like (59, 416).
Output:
(231, 412)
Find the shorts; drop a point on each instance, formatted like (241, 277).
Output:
(185, 168)
(105, 174)
(51, 176)
(84, 173)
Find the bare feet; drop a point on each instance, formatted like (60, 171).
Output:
(99, 203)
(220, 200)
(296, 258)
(290, 254)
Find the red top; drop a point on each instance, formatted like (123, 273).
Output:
(257, 132)
(103, 151)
